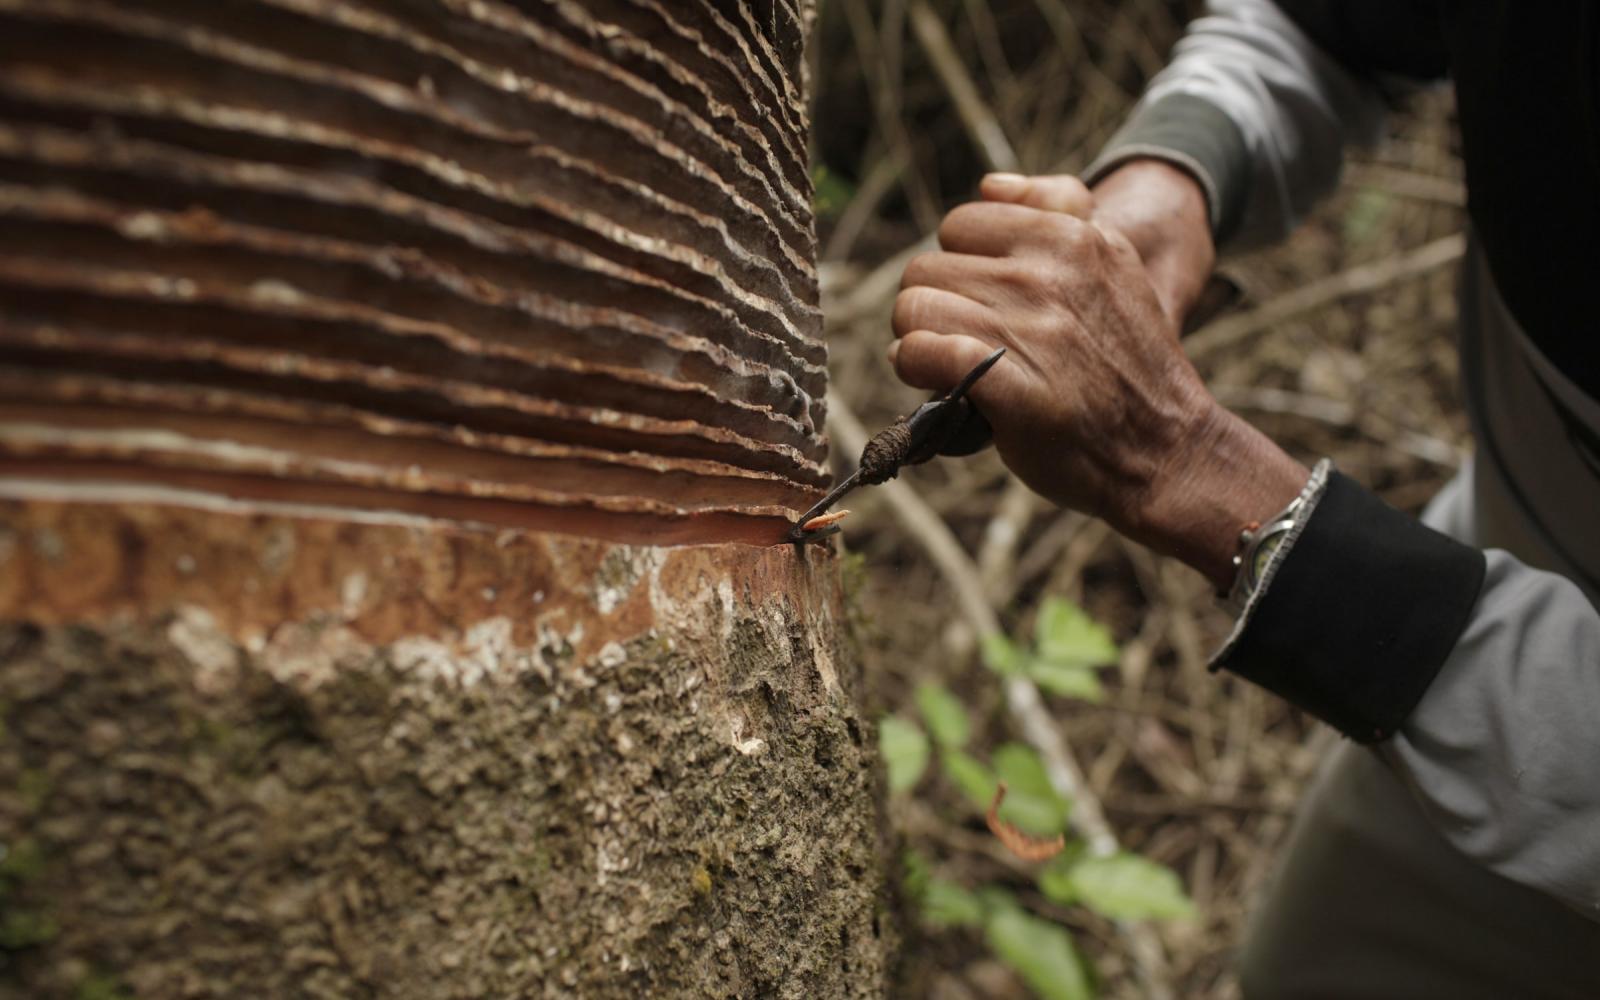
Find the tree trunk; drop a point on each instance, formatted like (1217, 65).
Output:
(399, 400)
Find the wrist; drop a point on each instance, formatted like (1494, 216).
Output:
(1224, 476)
(1162, 209)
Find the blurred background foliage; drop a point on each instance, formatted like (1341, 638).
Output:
(1342, 346)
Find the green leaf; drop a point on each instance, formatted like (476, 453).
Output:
(25, 928)
(98, 986)
(976, 782)
(943, 903)
(1364, 218)
(1068, 681)
(1123, 887)
(995, 898)
(20, 860)
(1042, 953)
(1056, 882)
(946, 904)
(831, 192)
(942, 711)
(915, 873)
(905, 751)
(1031, 802)
(1002, 655)
(1068, 637)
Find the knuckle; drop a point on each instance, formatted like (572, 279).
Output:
(918, 270)
(1073, 231)
(1055, 229)
(910, 309)
(1040, 280)
(965, 220)
(1031, 274)
(1050, 280)
(952, 224)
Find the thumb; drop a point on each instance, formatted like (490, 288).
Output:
(1046, 192)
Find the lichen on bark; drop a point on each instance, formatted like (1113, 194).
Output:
(675, 798)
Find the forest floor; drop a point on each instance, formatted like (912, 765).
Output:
(1342, 347)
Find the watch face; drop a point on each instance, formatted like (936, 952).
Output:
(1263, 555)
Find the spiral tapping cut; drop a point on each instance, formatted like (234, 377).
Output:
(914, 438)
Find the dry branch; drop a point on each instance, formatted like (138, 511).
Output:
(1362, 279)
(1023, 699)
(983, 128)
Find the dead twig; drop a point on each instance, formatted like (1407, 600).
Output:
(879, 49)
(1360, 280)
(1023, 700)
(982, 127)
(863, 207)
(1338, 413)
(1408, 183)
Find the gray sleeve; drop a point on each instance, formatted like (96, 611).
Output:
(1473, 675)
(1257, 112)
(1503, 750)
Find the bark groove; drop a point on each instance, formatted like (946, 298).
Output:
(393, 396)
(252, 245)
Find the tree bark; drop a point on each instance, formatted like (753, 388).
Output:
(400, 402)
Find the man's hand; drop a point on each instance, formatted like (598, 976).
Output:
(1095, 406)
(1161, 209)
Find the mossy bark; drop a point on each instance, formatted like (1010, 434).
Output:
(592, 771)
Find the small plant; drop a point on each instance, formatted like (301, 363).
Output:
(99, 986)
(1067, 647)
(831, 192)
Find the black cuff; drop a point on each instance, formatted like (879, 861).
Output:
(1195, 134)
(1361, 614)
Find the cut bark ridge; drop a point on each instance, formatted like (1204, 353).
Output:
(382, 384)
(548, 267)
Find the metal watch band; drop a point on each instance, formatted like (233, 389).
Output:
(1262, 547)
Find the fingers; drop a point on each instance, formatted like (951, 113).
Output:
(1047, 192)
(999, 229)
(981, 279)
(924, 308)
(934, 361)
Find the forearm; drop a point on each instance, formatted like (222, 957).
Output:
(1256, 112)
(1162, 209)
(1226, 476)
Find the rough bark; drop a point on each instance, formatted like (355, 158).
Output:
(398, 401)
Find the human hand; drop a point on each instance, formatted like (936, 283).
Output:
(1162, 211)
(1095, 406)
(1160, 208)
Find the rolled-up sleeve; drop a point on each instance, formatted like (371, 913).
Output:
(1475, 676)
(1258, 112)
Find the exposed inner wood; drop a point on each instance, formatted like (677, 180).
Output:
(523, 263)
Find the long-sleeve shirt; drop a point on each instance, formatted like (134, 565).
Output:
(1470, 660)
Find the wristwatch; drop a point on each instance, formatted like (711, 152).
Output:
(1259, 544)
(1256, 548)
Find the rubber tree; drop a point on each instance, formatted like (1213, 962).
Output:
(400, 402)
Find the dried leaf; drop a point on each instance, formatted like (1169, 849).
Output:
(1023, 846)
